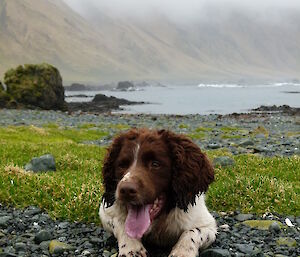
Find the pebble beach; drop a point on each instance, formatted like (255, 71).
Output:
(31, 232)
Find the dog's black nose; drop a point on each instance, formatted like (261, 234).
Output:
(128, 190)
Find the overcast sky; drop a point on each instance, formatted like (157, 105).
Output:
(181, 9)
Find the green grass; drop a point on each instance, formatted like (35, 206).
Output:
(74, 191)
(258, 185)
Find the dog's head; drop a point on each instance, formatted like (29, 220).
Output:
(151, 171)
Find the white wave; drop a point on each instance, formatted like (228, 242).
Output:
(282, 84)
(221, 85)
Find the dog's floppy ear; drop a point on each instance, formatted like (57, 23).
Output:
(108, 170)
(192, 171)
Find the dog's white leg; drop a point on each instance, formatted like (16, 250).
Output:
(115, 223)
(192, 240)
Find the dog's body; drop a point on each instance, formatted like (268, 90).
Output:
(154, 189)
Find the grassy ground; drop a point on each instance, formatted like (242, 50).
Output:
(255, 184)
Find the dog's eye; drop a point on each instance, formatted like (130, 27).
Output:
(155, 164)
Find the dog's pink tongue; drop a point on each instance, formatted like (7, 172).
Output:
(137, 221)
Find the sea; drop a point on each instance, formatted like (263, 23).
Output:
(200, 98)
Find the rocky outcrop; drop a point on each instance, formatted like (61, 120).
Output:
(34, 86)
(274, 108)
(124, 86)
(100, 103)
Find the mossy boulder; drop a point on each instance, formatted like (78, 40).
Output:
(260, 224)
(290, 242)
(4, 97)
(56, 247)
(32, 86)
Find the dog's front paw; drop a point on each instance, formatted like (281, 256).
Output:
(132, 250)
(183, 253)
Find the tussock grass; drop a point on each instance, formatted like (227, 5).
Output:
(258, 185)
(74, 191)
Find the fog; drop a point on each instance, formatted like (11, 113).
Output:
(184, 10)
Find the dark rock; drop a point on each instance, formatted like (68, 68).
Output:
(274, 227)
(4, 221)
(223, 161)
(32, 210)
(43, 163)
(36, 86)
(214, 146)
(20, 247)
(245, 248)
(8, 255)
(274, 108)
(41, 236)
(100, 103)
(214, 252)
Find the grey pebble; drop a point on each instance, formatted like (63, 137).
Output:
(274, 227)
(41, 236)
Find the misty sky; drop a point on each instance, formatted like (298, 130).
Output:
(181, 9)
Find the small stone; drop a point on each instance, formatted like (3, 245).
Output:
(243, 217)
(214, 146)
(86, 253)
(245, 248)
(41, 236)
(246, 143)
(8, 255)
(45, 245)
(20, 247)
(223, 161)
(225, 227)
(215, 252)
(63, 225)
(274, 227)
(32, 210)
(56, 247)
(42, 163)
(106, 253)
(290, 242)
(4, 221)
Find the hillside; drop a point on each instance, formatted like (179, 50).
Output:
(101, 47)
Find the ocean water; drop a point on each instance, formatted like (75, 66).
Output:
(202, 98)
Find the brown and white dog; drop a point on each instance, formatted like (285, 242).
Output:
(154, 190)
